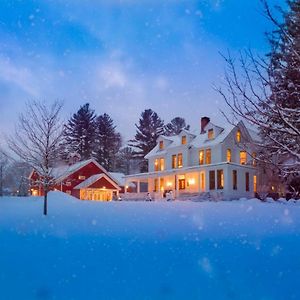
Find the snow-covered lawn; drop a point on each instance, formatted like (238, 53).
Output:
(148, 250)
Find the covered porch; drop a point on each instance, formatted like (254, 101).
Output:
(98, 188)
(158, 183)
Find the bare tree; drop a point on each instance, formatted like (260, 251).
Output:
(36, 141)
(264, 92)
(3, 168)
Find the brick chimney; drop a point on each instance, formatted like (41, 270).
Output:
(204, 122)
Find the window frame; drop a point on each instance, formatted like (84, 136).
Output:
(247, 182)
(234, 180)
(243, 160)
(180, 160)
(220, 179)
(208, 156)
(211, 134)
(212, 180)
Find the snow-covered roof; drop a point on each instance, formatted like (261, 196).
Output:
(63, 171)
(119, 178)
(94, 178)
(199, 140)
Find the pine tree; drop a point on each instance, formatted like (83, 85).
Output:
(108, 142)
(176, 126)
(150, 127)
(79, 133)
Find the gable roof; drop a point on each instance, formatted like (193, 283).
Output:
(61, 172)
(93, 179)
(201, 140)
(64, 171)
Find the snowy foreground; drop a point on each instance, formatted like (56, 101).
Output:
(148, 250)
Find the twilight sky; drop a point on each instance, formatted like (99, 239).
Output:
(123, 56)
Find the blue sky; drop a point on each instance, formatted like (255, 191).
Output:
(123, 56)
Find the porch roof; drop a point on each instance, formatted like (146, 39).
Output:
(182, 170)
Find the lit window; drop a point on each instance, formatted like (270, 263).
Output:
(183, 140)
(228, 155)
(174, 161)
(254, 183)
(247, 181)
(212, 183)
(159, 164)
(180, 162)
(243, 157)
(201, 157)
(156, 165)
(238, 136)
(210, 134)
(80, 177)
(220, 179)
(161, 145)
(161, 183)
(234, 179)
(162, 164)
(254, 159)
(208, 156)
(181, 182)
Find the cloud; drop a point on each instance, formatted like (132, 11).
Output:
(18, 76)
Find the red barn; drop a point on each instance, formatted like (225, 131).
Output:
(86, 180)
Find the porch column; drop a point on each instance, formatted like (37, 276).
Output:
(177, 186)
(199, 182)
(138, 186)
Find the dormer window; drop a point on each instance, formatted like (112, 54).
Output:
(161, 145)
(238, 136)
(210, 134)
(183, 140)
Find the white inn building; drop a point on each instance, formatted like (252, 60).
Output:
(214, 162)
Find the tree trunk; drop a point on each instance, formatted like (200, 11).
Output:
(45, 203)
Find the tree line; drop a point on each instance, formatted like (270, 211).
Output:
(97, 137)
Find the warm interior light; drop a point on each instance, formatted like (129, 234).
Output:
(192, 181)
(169, 184)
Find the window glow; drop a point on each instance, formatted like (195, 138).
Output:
(210, 134)
(201, 157)
(243, 157)
(228, 155)
(161, 145)
(180, 163)
(208, 156)
(238, 136)
(183, 140)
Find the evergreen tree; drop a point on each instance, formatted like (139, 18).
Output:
(150, 127)
(108, 142)
(176, 126)
(79, 133)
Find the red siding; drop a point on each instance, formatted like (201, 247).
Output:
(101, 183)
(87, 171)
